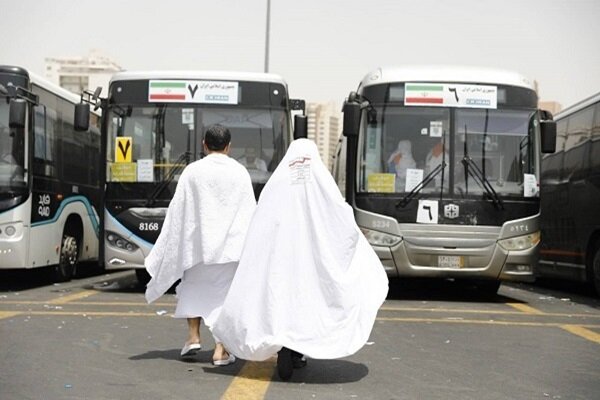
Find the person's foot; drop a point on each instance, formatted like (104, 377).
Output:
(230, 359)
(298, 360)
(285, 368)
(190, 349)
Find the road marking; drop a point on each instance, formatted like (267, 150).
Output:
(95, 303)
(92, 313)
(8, 314)
(252, 381)
(525, 308)
(579, 330)
(480, 322)
(393, 319)
(388, 309)
(75, 296)
(531, 311)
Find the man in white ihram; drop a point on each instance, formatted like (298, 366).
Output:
(202, 238)
(308, 281)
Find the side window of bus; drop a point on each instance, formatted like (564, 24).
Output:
(595, 151)
(73, 146)
(44, 146)
(578, 134)
(552, 163)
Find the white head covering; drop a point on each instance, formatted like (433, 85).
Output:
(206, 222)
(402, 158)
(307, 279)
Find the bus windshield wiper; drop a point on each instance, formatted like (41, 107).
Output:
(477, 174)
(409, 196)
(185, 156)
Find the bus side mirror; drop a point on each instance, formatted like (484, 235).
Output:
(82, 117)
(351, 119)
(548, 133)
(17, 113)
(298, 105)
(300, 127)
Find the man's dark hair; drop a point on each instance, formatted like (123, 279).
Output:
(217, 137)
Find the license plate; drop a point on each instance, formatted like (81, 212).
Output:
(450, 261)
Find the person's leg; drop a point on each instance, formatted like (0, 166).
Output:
(221, 356)
(192, 344)
(193, 331)
(220, 353)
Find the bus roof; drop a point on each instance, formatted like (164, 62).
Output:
(41, 82)
(450, 74)
(595, 98)
(55, 89)
(198, 75)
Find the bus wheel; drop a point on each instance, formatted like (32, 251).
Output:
(143, 277)
(488, 288)
(594, 271)
(68, 259)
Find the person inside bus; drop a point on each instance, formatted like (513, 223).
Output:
(251, 161)
(401, 160)
(308, 282)
(6, 155)
(202, 238)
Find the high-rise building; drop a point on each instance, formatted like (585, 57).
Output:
(324, 128)
(77, 74)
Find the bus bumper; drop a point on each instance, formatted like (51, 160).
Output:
(13, 246)
(489, 262)
(115, 258)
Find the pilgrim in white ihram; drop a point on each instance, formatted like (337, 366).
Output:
(307, 280)
(401, 160)
(202, 237)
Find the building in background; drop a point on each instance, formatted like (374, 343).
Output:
(549, 105)
(324, 128)
(552, 106)
(77, 74)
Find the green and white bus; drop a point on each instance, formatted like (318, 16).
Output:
(49, 177)
(152, 127)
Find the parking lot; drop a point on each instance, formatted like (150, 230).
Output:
(96, 338)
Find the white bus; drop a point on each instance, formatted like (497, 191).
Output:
(49, 177)
(153, 125)
(571, 195)
(442, 166)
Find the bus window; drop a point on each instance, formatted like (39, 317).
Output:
(578, 133)
(595, 151)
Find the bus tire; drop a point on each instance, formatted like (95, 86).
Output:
(67, 264)
(143, 277)
(488, 288)
(593, 272)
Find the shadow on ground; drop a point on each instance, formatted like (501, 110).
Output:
(315, 372)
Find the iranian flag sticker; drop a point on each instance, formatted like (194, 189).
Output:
(166, 91)
(423, 94)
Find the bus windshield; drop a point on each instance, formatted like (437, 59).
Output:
(402, 146)
(165, 138)
(12, 152)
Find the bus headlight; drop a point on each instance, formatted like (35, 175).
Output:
(119, 242)
(377, 238)
(10, 230)
(520, 242)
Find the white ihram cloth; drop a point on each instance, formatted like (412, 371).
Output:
(307, 280)
(206, 222)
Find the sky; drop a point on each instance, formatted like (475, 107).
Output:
(322, 48)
